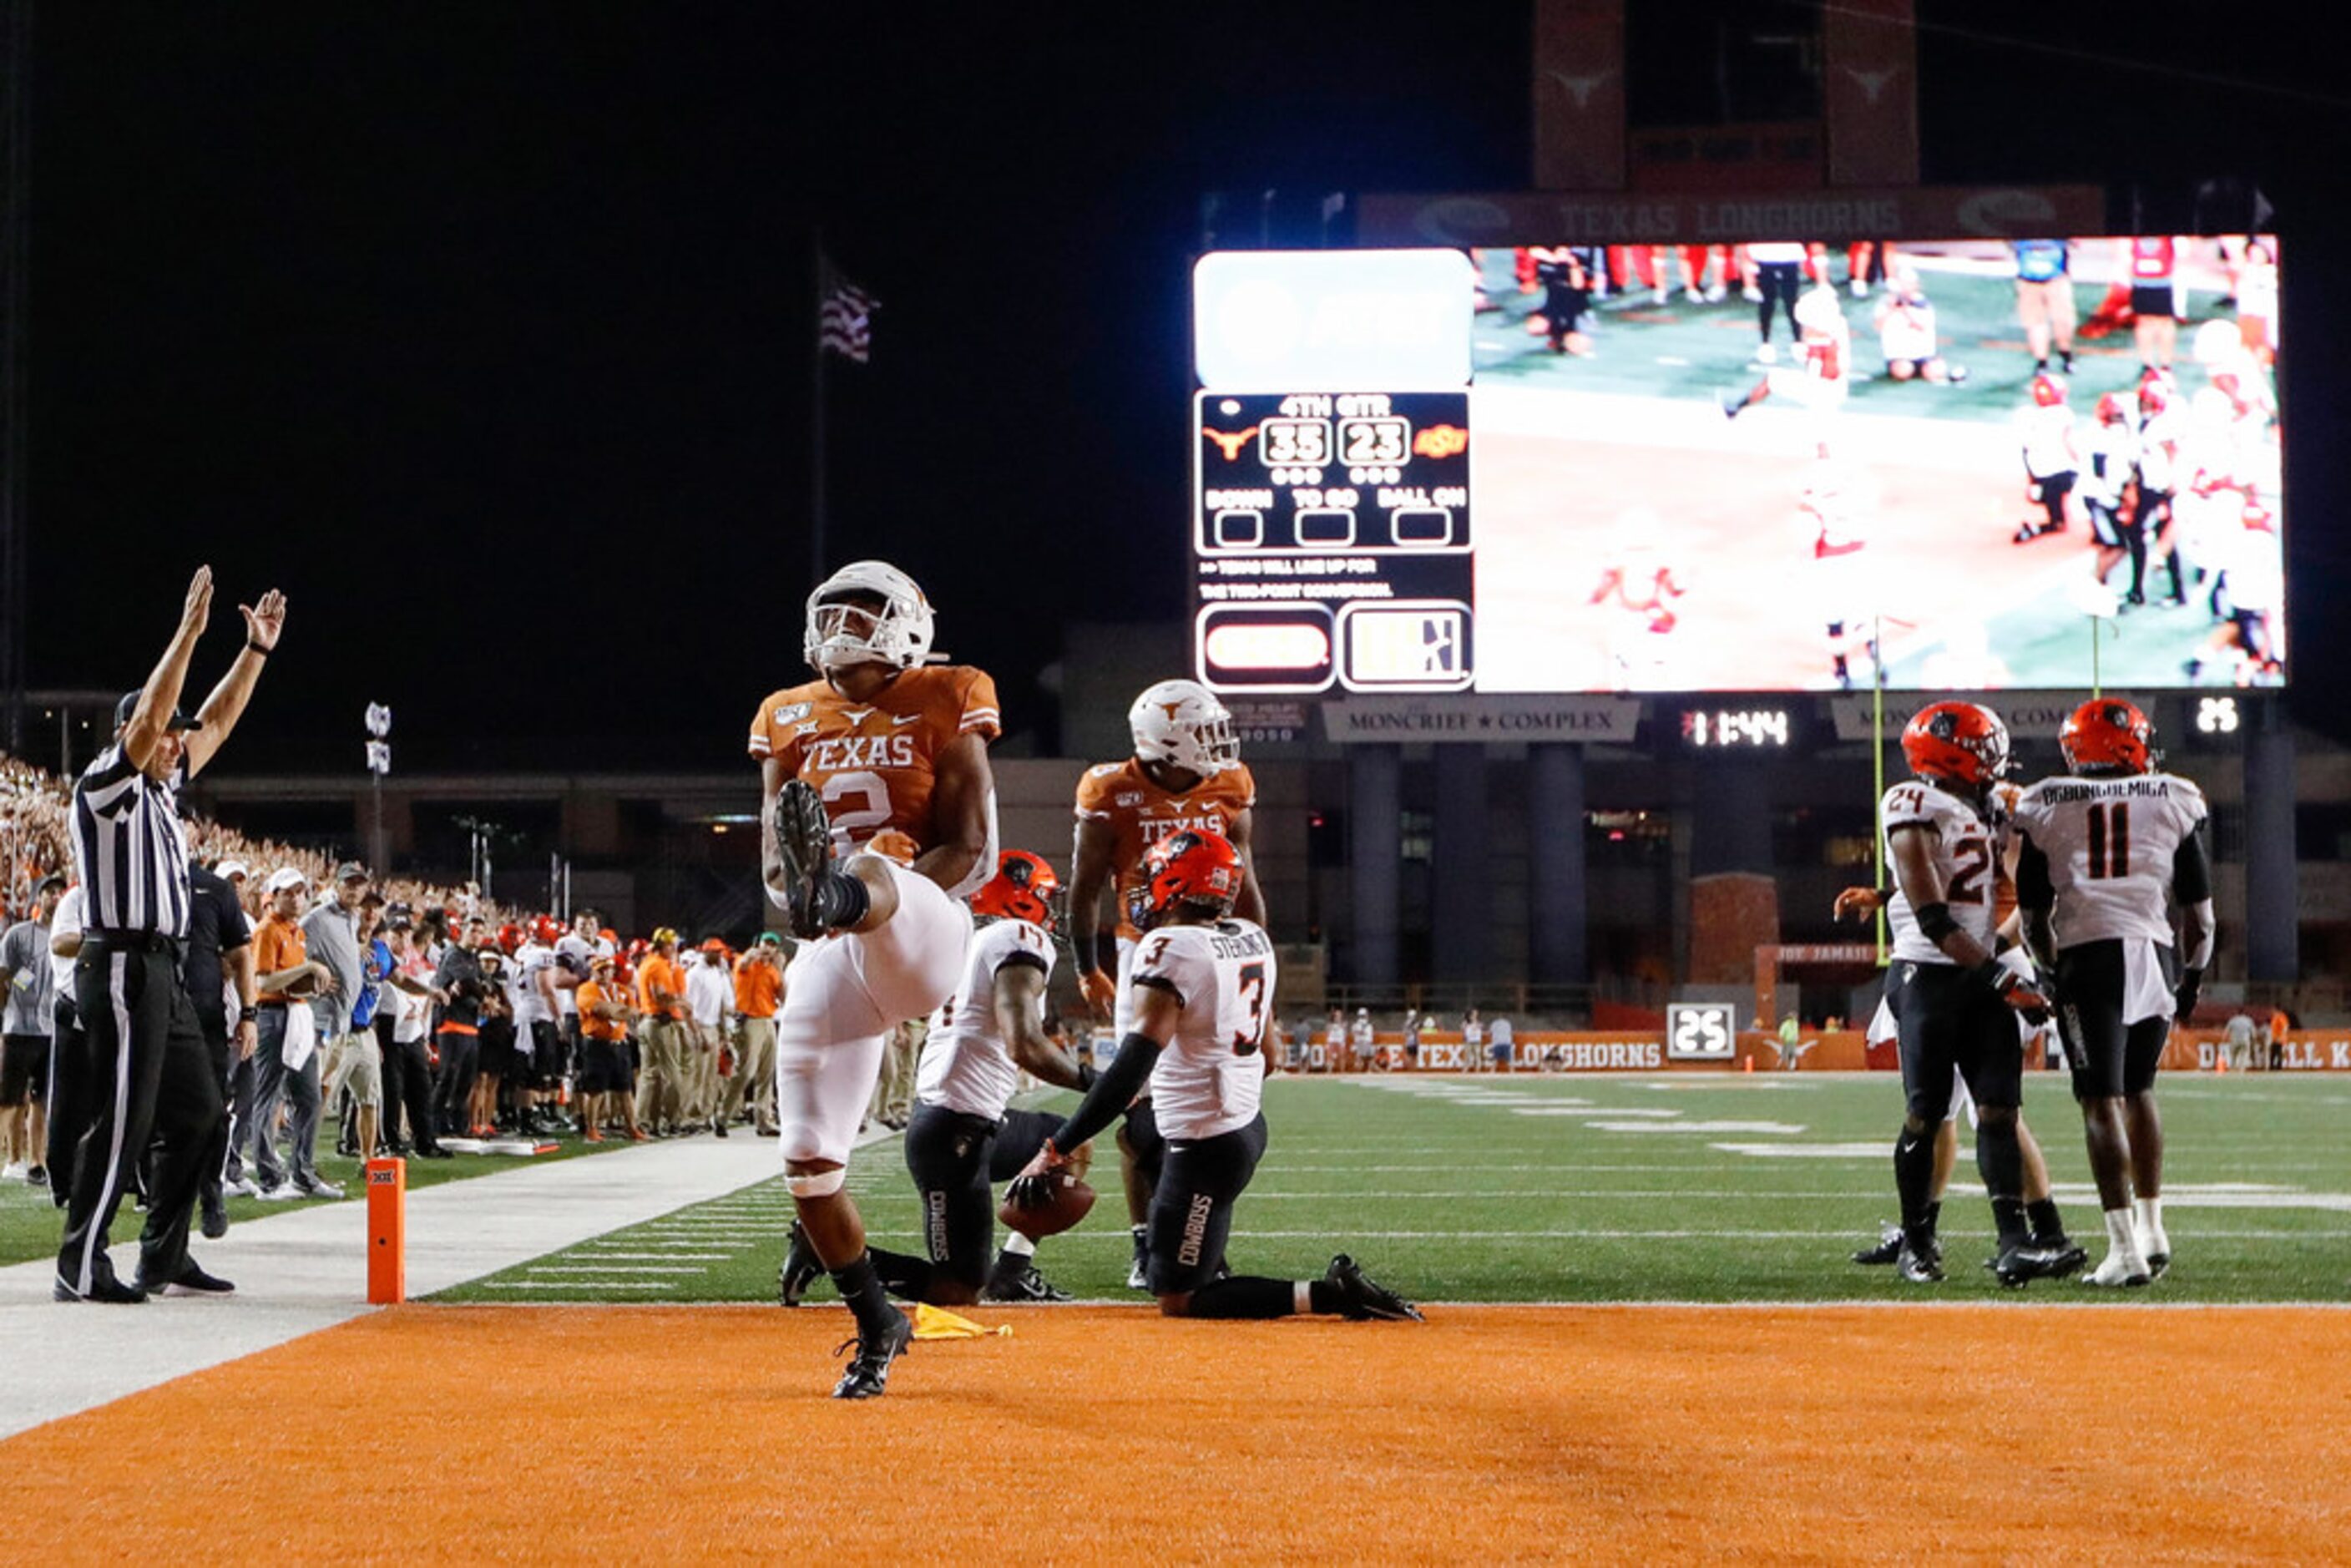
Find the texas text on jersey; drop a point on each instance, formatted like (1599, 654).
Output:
(1142, 812)
(1211, 1076)
(874, 763)
(965, 1065)
(2109, 846)
(1966, 854)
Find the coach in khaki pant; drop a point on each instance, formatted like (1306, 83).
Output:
(758, 986)
(661, 998)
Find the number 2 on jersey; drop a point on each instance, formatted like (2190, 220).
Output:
(1972, 857)
(1253, 990)
(851, 827)
(2109, 840)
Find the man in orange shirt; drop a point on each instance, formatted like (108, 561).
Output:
(287, 975)
(661, 1002)
(604, 1052)
(759, 985)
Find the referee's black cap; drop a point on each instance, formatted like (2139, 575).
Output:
(129, 705)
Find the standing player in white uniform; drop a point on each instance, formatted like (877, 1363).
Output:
(2104, 851)
(1204, 985)
(1954, 1005)
(2045, 435)
(884, 760)
(963, 1136)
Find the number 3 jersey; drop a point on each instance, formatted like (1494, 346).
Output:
(966, 1066)
(875, 763)
(1966, 850)
(2108, 846)
(1211, 1076)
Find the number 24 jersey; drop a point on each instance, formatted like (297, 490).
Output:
(2110, 845)
(1211, 1076)
(1966, 850)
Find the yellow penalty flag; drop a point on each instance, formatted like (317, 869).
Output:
(936, 1323)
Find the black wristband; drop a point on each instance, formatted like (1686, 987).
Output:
(253, 647)
(1996, 975)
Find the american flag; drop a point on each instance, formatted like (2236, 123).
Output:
(845, 318)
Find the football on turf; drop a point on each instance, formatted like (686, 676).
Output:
(1069, 1201)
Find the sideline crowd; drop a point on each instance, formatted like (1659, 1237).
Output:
(410, 1016)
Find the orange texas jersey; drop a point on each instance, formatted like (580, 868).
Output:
(1141, 813)
(876, 763)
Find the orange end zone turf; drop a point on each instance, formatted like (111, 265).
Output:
(1109, 1435)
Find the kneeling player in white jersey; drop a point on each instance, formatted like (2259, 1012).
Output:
(1186, 772)
(1954, 1005)
(883, 761)
(964, 1137)
(2104, 851)
(1204, 985)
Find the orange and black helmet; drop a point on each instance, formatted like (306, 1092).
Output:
(1022, 889)
(1196, 867)
(1961, 743)
(2107, 734)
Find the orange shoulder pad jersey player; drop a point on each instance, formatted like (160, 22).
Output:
(1142, 813)
(875, 763)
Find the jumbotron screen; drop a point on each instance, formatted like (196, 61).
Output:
(1777, 466)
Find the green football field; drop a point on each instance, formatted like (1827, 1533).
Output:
(1681, 1188)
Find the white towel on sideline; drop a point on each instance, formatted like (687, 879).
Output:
(302, 1037)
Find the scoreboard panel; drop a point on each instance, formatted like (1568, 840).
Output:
(1332, 541)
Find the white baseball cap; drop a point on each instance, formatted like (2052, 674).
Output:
(228, 869)
(283, 877)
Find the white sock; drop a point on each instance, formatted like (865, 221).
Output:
(2121, 1242)
(2149, 1215)
(1301, 1297)
(1017, 1245)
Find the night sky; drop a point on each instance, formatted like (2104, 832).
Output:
(484, 330)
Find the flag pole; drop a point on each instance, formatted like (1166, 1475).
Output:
(822, 276)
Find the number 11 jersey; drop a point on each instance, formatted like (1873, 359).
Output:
(2110, 844)
(1211, 1076)
(1967, 851)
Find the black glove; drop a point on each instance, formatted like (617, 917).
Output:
(2184, 995)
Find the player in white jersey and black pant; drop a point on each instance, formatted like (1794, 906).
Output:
(1205, 985)
(1954, 1005)
(963, 1136)
(148, 1076)
(2105, 850)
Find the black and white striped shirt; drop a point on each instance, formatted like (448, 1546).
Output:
(130, 847)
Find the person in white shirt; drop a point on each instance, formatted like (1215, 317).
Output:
(2045, 428)
(1203, 986)
(709, 1005)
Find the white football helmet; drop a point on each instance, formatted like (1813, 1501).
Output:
(1181, 723)
(839, 633)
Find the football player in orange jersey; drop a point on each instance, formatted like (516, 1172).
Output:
(878, 817)
(1185, 774)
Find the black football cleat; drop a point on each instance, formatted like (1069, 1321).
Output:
(2020, 1263)
(1026, 1286)
(801, 1267)
(2158, 1265)
(1138, 1272)
(1362, 1300)
(2069, 1256)
(1887, 1252)
(869, 1369)
(1920, 1261)
(804, 844)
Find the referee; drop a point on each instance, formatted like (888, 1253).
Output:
(150, 1076)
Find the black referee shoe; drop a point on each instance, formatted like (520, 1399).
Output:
(192, 1281)
(109, 1290)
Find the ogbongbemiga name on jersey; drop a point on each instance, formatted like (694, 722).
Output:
(2110, 845)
